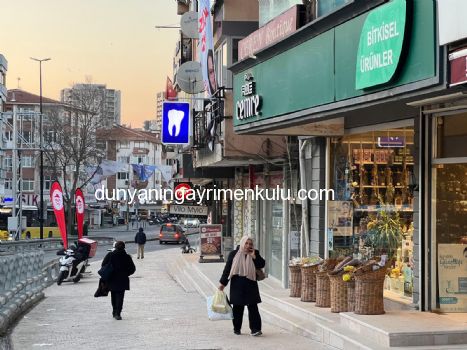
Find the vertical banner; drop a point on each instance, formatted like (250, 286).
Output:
(206, 46)
(79, 205)
(56, 197)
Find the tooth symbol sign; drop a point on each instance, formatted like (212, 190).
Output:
(175, 120)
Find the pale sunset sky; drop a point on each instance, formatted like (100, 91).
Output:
(113, 42)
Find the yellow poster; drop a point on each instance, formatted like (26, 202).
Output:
(452, 273)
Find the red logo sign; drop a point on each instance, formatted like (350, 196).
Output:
(182, 190)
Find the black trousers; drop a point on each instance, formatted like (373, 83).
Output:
(253, 316)
(117, 302)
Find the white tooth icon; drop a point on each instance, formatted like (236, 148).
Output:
(175, 119)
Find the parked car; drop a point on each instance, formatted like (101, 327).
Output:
(191, 223)
(172, 233)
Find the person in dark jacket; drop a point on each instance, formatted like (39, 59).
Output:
(119, 282)
(240, 270)
(140, 240)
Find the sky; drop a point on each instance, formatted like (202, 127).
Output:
(110, 42)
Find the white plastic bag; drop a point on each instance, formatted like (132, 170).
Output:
(216, 316)
(219, 303)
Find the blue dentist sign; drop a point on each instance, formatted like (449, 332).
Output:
(176, 123)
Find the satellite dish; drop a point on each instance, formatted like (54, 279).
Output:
(190, 77)
(189, 24)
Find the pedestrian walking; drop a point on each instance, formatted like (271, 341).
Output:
(122, 266)
(140, 240)
(240, 270)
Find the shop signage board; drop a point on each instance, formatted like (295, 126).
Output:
(381, 43)
(250, 104)
(452, 276)
(274, 31)
(176, 123)
(188, 210)
(210, 240)
(340, 216)
(458, 62)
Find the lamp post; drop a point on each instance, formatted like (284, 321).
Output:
(41, 151)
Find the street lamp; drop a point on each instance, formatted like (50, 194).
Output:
(41, 151)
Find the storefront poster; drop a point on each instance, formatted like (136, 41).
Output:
(452, 276)
(211, 240)
(340, 215)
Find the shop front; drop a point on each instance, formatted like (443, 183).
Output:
(350, 86)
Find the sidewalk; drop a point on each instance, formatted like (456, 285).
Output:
(157, 314)
(393, 330)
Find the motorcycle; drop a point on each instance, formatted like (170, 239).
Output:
(187, 248)
(72, 265)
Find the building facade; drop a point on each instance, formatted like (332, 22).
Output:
(3, 96)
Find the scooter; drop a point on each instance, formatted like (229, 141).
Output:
(71, 268)
(187, 248)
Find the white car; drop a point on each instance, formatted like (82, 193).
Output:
(191, 223)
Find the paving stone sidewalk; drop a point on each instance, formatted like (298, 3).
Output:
(157, 314)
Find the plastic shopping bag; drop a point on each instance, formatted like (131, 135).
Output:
(216, 316)
(220, 303)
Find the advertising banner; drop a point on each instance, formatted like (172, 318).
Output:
(79, 205)
(206, 46)
(56, 197)
(211, 240)
(340, 218)
(452, 276)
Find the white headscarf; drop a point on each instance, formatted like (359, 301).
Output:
(243, 264)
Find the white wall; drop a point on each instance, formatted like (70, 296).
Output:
(452, 20)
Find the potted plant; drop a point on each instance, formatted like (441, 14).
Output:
(384, 232)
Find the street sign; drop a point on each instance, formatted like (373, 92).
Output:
(176, 123)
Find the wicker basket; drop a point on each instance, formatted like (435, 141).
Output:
(351, 295)
(339, 300)
(323, 290)
(295, 281)
(369, 287)
(308, 292)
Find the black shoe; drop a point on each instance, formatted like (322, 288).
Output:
(237, 332)
(118, 317)
(257, 333)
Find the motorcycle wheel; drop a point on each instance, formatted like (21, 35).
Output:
(77, 278)
(61, 276)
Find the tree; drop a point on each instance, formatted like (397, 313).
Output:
(70, 141)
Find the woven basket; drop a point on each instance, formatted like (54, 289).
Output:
(308, 292)
(369, 287)
(295, 281)
(351, 295)
(323, 290)
(339, 300)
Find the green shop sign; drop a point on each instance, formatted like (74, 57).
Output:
(381, 43)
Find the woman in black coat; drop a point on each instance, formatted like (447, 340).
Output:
(119, 282)
(240, 269)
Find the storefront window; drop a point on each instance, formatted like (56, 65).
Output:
(450, 212)
(276, 240)
(372, 213)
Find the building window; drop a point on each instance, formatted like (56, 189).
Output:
(47, 182)
(27, 136)
(8, 136)
(124, 144)
(27, 162)
(8, 184)
(28, 185)
(122, 159)
(122, 176)
(8, 163)
(139, 144)
(142, 159)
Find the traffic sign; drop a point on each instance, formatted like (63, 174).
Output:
(176, 123)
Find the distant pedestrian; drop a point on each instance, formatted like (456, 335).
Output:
(118, 283)
(240, 269)
(133, 220)
(140, 240)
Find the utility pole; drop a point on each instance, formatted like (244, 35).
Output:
(41, 152)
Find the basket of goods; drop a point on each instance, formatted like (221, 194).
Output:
(369, 287)
(308, 269)
(323, 287)
(339, 280)
(295, 277)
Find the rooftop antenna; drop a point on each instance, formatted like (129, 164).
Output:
(19, 79)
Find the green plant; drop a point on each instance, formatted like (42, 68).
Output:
(385, 232)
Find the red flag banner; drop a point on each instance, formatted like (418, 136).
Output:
(170, 92)
(79, 205)
(56, 197)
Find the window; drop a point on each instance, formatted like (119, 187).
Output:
(28, 185)
(47, 182)
(27, 136)
(8, 136)
(142, 159)
(124, 144)
(8, 163)
(122, 159)
(139, 144)
(325, 7)
(122, 176)
(27, 162)
(8, 184)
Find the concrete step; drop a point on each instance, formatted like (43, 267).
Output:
(176, 270)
